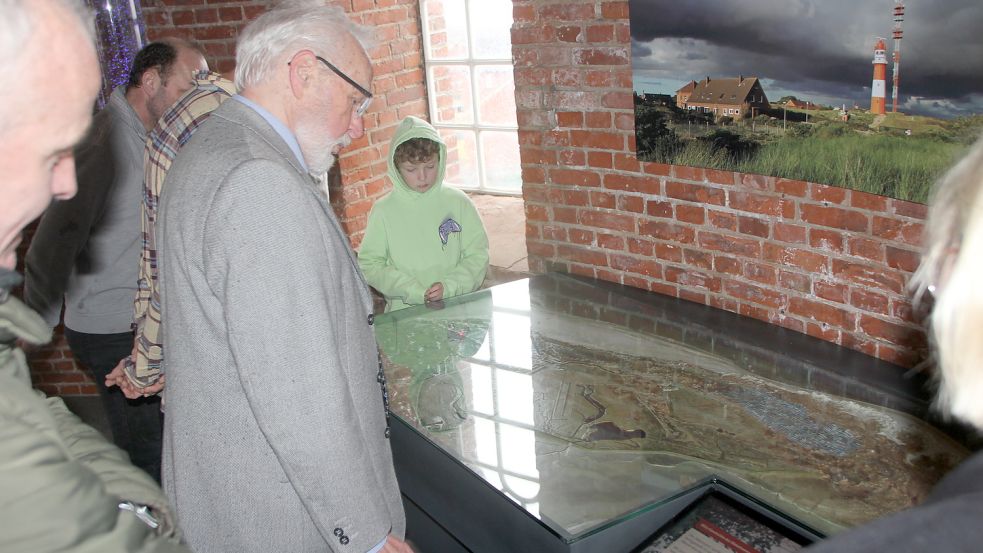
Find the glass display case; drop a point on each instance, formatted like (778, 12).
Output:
(564, 414)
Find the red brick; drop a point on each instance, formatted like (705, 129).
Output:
(634, 204)
(730, 244)
(870, 202)
(795, 257)
(831, 291)
(870, 302)
(899, 335)
(573, 177)
(761, 204)
(866, 248)
(600, 160)
(906, 260)
(722, 220)
(831, 194)
(658, 209)
(753, 227)
(699, 259)
(869, 276)
(728, 178)
(641, 266)
(755, 294)
(568, 33)
(614, 10)
(640, 247)
(629, 183)
(785, 232)
(610, 242)
(906, 232)
(690, 214)
(693, 296)
(795, 281)
(595, 139)
(603, 200)
(826, 240)
(688, 277)
(581, 236)
(613, 221)
(582, 255)
(667, 231)
(835, 217)
(761, 273)
(909, 209)
(788, 187)
(688, 173)
(822, 313)
(727, 265)
(758, 182)
(669, 252)
(695, 193)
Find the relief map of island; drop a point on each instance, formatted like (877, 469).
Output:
(621, 419)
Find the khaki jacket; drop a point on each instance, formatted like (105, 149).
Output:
(60, 481)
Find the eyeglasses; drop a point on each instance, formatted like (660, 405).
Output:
(362, 107)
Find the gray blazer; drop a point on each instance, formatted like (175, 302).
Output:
(275, 437)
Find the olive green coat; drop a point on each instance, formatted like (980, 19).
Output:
(60, 480)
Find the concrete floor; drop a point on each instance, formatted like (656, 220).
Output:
(505, 222)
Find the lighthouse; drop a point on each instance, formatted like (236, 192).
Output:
(878, 88)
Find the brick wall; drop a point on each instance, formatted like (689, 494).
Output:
(825, 261)
(399, 91)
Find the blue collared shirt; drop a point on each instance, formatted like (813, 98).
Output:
(278, 126)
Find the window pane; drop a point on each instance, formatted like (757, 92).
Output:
(496, 95)
(447, 29)
(491, 26)
(500, 156)
(462, 158)
(451, 87)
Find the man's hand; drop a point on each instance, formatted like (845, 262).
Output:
(396, 545)
(434, 293)
(117, 377)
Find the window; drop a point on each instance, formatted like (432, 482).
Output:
(467, 50)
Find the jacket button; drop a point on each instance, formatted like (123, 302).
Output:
(371, 319)
(339, 532)
(343, 540)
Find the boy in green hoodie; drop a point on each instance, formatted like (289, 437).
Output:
(424, 241)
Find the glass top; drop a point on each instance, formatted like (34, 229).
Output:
(586, 403)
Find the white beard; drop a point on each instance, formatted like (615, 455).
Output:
(318, 152)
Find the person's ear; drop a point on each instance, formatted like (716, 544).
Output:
(301, 69)
(150, 81)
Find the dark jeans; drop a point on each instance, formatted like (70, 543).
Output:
(137, 424)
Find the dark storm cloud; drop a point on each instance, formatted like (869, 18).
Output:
(823, 48)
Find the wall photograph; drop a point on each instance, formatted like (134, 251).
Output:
(879, 96)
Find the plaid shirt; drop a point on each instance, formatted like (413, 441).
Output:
(172, 131)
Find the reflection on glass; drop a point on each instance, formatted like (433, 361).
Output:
(514, 396)
(501, 161)
(462, 157)
(495, 95)
(452, 95)
(447, 27)
(585, 422)
(491, 23)
(482, 392)
(510, 342)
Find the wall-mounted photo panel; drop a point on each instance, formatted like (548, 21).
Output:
(879, 96)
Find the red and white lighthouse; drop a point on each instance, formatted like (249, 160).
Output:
(878, 88)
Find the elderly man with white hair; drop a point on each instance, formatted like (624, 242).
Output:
(63, 487)
(276, 434)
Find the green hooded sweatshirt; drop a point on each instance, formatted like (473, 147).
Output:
(415, 239)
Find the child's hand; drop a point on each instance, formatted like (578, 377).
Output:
(434, 293)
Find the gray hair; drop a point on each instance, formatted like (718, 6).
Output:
(291, 26)
(18, 24)
(950, 269)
